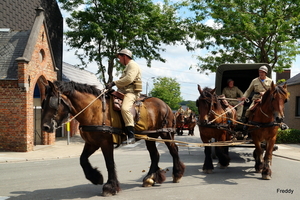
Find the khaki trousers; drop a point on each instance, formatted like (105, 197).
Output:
(248, 111)
(128, 101)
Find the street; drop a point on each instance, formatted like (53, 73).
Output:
(64, 178)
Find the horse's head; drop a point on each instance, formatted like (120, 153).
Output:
(55, 108)
(276, 97)
(179, 118)
(206, 102)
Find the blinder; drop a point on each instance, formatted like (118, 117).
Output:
(54, 102)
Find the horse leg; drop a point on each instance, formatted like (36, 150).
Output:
(91, 173)
(208, 164)
(266, 171)
(178, 131)
(222, 154)
(112, 186)
(155, 175)
(257, 154)
(178, 166)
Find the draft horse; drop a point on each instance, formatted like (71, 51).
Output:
(180, 120)
(264, 122)
(213, 122)
(191, 122)
(64, 98)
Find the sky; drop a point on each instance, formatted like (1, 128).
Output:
(177, 65)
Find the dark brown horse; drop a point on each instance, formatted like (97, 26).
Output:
(179, 123)
(213, 122)
(94, 116)
(266, 118)
(191, 122)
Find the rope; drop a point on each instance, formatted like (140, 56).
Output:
(188, 144)
(218, 116)
(69, 120)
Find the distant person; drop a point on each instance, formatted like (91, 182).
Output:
(187, 112)
(233, 92)
(180, 110)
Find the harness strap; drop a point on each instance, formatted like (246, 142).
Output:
(96, 128)
(164, 130)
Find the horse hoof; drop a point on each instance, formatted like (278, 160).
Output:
(107, 194)
(208, 171)
(266, 177)
(148, 182)
(176, 179)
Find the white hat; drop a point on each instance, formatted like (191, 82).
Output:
(263, 68)
(126, 52)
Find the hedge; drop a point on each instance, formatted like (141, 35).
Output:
(289, 136)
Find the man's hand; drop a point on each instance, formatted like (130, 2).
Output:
(110, 85)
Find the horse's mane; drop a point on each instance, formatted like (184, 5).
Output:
(69, 87)
(278, 89)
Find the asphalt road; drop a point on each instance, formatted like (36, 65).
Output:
(64, 178)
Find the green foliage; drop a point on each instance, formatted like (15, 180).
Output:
(252, 31)
(288, 136)
(192, 106)
(101, 28)
(168, 90)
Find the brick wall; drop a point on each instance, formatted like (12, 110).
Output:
(16, 99)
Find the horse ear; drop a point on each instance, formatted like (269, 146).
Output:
(213, 91)
(53, 87)
(199, 89)
(272, 86)
(284, 86)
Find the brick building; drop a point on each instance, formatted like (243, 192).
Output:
(31, 35)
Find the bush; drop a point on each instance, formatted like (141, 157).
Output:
(291, 136)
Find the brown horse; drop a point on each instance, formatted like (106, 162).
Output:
(266, 118)
(94, 116)
(213, 123)
(179, 123)
(191, 123)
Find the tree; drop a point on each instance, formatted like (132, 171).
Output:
(104, 27)
(252, 31)
(168, 90)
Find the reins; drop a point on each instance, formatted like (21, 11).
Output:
(218, 116)
(69, 120)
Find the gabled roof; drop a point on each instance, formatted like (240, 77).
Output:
(20, 16)
(294, 80)
(19, 45)
(73, 73)
(12, 46)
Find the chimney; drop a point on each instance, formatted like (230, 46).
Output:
(286, 74)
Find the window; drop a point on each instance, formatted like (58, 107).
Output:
(42, 55)
(297, 106)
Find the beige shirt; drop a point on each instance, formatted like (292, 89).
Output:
(131, 73)
(232, 93)
(257, 87)
(180, 110)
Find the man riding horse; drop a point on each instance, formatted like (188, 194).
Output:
(259, 86)
(126, 85)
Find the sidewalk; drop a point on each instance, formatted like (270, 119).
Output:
(45, 152)
(62, 150)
